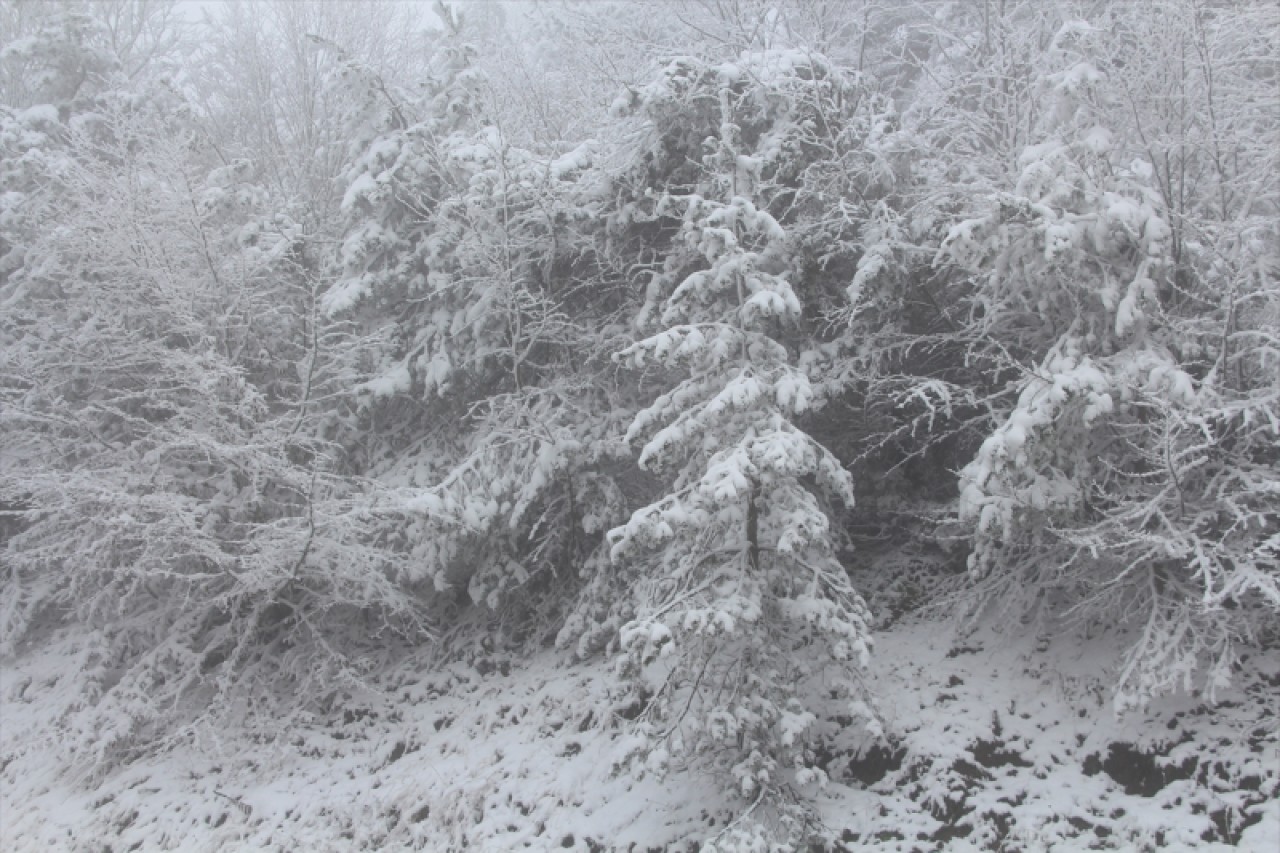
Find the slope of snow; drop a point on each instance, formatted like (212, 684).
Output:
(993, 741)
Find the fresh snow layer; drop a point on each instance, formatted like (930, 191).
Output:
(994, 741)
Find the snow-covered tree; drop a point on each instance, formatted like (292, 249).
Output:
(172, 496)
(1129, 484)
(740, 607)
(470, 260)
(264, 83)
(54, 54)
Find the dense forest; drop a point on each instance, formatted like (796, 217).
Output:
(571, 425)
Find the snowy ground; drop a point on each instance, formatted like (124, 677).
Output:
(997, 743)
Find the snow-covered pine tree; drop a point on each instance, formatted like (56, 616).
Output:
(1131, 484)
(744, 622)
(470, 261)
(514, 488)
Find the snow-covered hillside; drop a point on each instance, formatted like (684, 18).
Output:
(992, 742)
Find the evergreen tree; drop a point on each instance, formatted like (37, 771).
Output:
(1123, 485)
(741, 608)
